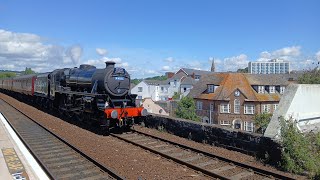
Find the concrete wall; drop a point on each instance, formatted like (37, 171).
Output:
(253, 144)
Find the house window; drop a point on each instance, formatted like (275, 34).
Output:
(260, 89)
(225, 108)
(211, 107)
(266, 108)
(237, 106)
(272, 89)
(225, 123)
(199, 105)
(282, 88)
(210, 88)
(248, 126)
(248, 109)
(196, 77)
(139, 97)
(275, 107)
(184, 89)
(162, 89)
(139, 89)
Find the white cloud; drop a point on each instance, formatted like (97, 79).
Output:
(101, 51)
(169, 59)
(318, 55)
(151, 72)
(21, 50)
(234, 63)
(100, 63)
(165, 68)
(287, 51)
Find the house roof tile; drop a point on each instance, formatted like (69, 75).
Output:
(229, 82)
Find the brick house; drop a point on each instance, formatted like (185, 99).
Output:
(233, 99)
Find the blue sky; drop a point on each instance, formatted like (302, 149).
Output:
(152, 37)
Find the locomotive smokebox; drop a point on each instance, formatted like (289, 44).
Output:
(110, 64)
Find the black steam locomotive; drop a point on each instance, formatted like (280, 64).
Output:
(86, 93)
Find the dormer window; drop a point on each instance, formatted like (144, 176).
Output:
(282, 88)
(210, 88)
(196, 77)
(272, 89)
(260, 89)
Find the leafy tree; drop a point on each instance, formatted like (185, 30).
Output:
(310, 77)
(186, 109)
(28, 71)
(176, 96)
(159, 78)
(262, 121)
(135, 81)
(301, 152)
(245, 70)
(7, 74)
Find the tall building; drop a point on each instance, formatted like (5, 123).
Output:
(274, 66)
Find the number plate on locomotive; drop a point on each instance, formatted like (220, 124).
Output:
(119, 78)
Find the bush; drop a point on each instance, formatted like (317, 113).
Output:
(301, 152)
(262, 121)
(310, 77)
(187, 109)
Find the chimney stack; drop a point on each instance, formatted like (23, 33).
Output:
(109, 63)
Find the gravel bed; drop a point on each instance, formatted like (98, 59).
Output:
(128, 160)
(229, 154)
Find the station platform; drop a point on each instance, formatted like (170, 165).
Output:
(16, 162)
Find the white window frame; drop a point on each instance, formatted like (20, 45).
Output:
(211, 107)
(224, 108)
(265, 108)
(275, 107)
(282, 88)
(272, 89)
(225, 123)
(210, 88)
(140, 89)
(260, 89)
(199, 105)
(249, 109)
(236, 108)
(248, 126)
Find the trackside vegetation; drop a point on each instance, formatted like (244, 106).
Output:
(300, 151)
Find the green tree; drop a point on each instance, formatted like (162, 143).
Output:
(7, 74)
(245, 70)
(301, 152)
(310, 77)
(176, 96)
(186, 109)
(261, 121)
(28, 71)
(159, 78)
(135, 81)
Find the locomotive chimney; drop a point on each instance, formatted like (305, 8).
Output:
(109, 63)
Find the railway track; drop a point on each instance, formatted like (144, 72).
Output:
(205, 162)
(58, 158)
